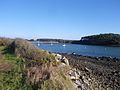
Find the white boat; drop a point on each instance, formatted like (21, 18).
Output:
(63, 45)
(38, 43)
(51, 44)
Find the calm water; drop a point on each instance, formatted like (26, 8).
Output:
(83, 49)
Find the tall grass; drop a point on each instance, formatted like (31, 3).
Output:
(14, 78)
(30, 68)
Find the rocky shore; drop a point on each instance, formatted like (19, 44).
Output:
(94, 73)
(23, 66)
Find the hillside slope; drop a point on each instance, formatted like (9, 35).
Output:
(25, 67)
(101, 39)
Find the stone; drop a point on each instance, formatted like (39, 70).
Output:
(72, 77)
(78, 82)
(65, 60)
(88, 70)
(59, 56)
(86, 81)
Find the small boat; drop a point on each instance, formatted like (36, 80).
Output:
(63, 45)
(38, 43)
(51, 44)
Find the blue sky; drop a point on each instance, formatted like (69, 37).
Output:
(67, 19)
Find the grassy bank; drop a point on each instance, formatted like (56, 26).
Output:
(25, 67)
(11, 72)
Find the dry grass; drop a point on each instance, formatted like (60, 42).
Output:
(33, 69)
(24, 49)
(5, 41)
(4, 66)
(58, 80)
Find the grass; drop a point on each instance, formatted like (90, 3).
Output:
(12, 79)
(20, 58)
(59, 82)
(2, 48)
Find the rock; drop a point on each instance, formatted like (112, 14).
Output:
(65, 60)
(59, 57)
(87, 70)
(63, 64)
(75, 85)
(73, 74)
(78, 82)
(73, 53)
(86, 81)
(73, 78)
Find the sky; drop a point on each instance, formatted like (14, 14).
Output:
(65, 19)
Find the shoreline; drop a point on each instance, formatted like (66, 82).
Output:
(40, 66)
(104, 71)
(93, 57)
(77, 44)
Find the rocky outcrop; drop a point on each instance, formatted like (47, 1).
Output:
(82, 81)
(88, 74)
(62, 59)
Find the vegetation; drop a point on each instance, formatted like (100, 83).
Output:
(102, 39)
(5, 41)
(109, 39)
(13, 79)
(53, 40)
(25, 67)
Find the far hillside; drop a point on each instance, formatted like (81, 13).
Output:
(48, 40)
(101, 39)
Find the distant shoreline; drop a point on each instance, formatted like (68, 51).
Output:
(49, 42)
(109, 39)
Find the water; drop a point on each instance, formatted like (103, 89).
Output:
(86, 50)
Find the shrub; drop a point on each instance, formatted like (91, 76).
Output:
(24, 49)
(5, 41)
